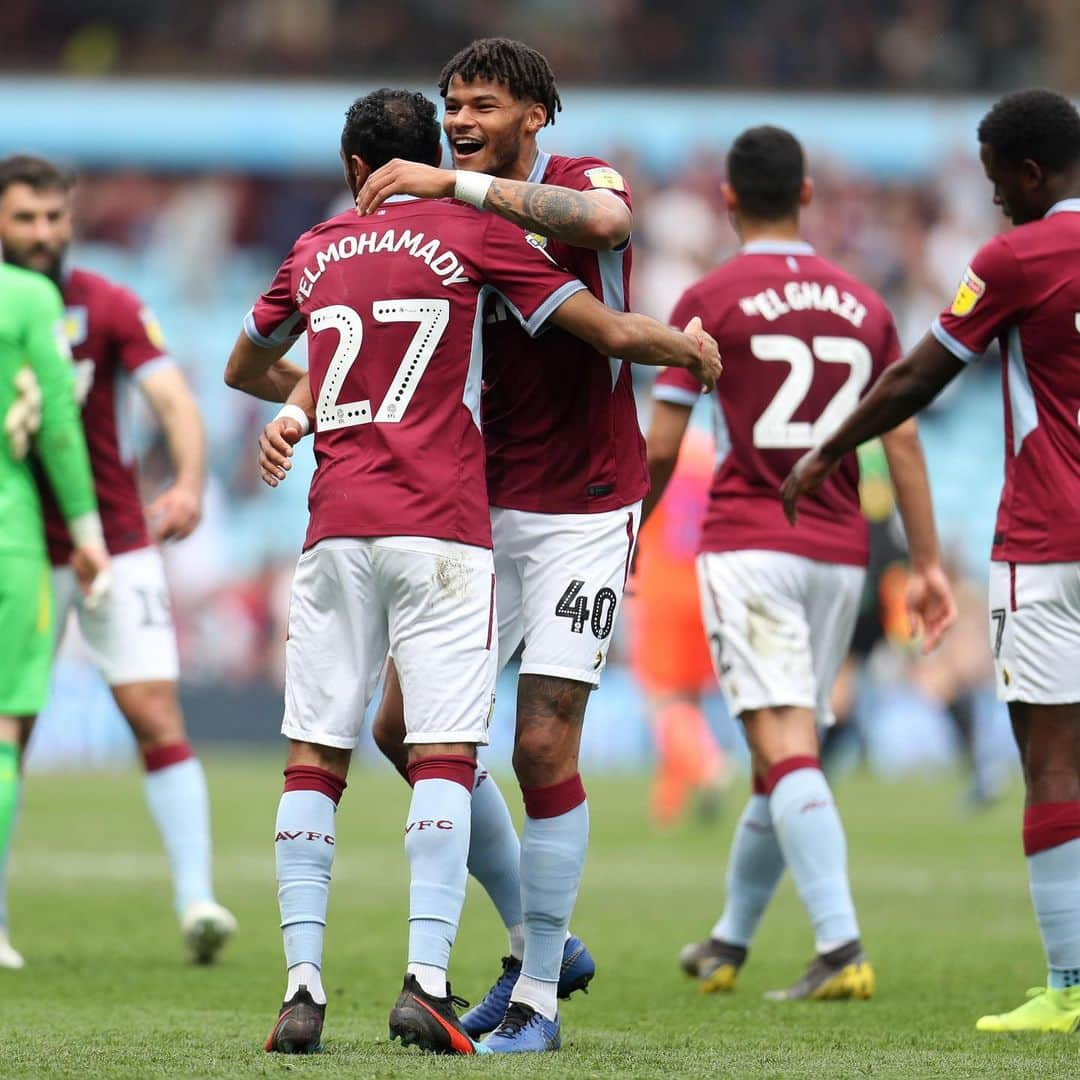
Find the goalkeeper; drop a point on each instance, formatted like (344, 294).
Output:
(40, 418)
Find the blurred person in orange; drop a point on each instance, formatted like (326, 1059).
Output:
(669, 651)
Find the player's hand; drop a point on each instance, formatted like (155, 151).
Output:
(175, 513)
(810, 472)
(930, 605)
(707, 368)
(91, 565)
(399, 177)
(275, 448)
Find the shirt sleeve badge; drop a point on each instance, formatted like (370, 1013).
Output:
(968, 293)
(153, 329)
(603, 176)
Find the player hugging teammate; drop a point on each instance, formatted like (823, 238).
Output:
(398, 556)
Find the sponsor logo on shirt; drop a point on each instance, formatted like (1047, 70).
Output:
(968, 293)
(603, 176)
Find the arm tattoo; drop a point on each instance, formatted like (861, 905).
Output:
(553, 211)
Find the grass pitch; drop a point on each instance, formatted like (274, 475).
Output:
(942, 899)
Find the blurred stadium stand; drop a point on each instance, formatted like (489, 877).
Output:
(191, 192)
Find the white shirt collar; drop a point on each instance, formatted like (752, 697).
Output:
(1065, 206)
(777, 247)
(536, 174)
(399, 198)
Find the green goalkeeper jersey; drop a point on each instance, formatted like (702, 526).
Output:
(38, 412)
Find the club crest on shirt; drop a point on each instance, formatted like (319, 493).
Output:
(968, 293)
(76, 323)
(536, 240)
(603, 176)
(152, 328)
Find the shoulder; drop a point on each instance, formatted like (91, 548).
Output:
(584, 173)
(28, 286)
(86, 287)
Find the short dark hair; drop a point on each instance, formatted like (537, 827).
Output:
(523, 71)
(1038, 124)
(766, 167)
(36, 172)
(389, 124)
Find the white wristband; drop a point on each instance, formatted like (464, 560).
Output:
(86, 529)
(472, 187)
(294, 412)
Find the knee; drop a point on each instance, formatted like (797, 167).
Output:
(331, 759)
(152, 710)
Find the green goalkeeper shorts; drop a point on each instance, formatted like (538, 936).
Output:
(26, 634)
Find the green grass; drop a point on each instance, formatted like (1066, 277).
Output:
(942, 899)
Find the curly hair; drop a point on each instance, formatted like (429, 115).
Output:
(765, 166)
(1039, 125)
(523, 71)
(389, 124)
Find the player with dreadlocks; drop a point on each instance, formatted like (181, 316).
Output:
(566, 476)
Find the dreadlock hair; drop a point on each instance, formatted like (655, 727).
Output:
(1038, 124)
(523, 71)
(388, 124)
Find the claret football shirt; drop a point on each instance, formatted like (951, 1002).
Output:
(393, 306)
(562, 430)
(802, 341)
(1023, 288)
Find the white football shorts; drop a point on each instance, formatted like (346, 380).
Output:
(430, 603)
(130, 634)
(561, 579)
(779, 626)
(1035, 631)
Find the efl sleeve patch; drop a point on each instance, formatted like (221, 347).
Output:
(968, 293)
(154, 333)
(603, 176)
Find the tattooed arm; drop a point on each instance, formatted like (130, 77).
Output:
(589, 219)
(596, 219)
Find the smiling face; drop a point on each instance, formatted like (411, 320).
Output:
(489, 130)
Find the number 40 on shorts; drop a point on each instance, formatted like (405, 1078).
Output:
(574, 605)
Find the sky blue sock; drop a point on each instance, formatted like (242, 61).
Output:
(815, 851)
(437, 844)
(1054, 874)
(180, 807)
(755, 866)
(494, 849)
(552, 861)
(304, 853)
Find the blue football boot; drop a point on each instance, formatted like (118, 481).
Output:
(578, 969)
(524, 1031)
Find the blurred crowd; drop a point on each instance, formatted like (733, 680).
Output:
(935, 45)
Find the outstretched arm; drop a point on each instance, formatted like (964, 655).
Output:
(900, 393)
(176, 512)
(596, 219)
(930, 603)
(638, 338)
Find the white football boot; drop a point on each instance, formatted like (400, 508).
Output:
(206, 927)
(10, 958)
